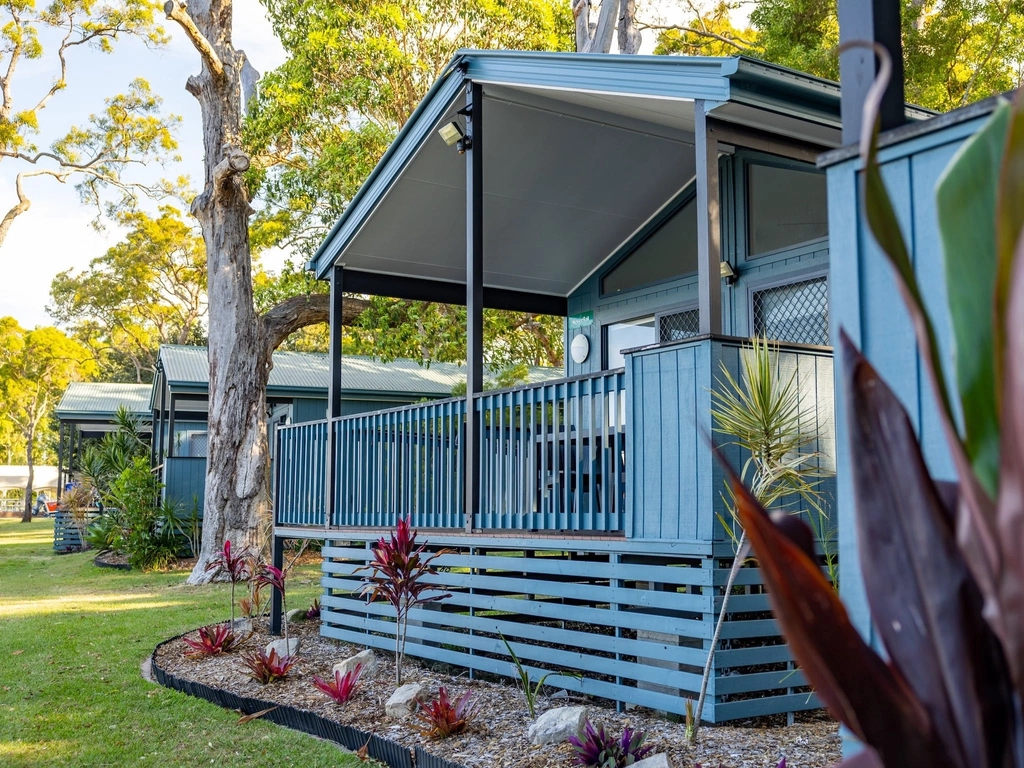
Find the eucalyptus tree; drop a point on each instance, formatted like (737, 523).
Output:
(128, 131)
(35, 368)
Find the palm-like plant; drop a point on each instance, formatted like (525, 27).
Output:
(272, 576)
(762, 414)
(237, 567)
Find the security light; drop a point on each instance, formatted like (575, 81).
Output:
(728, 273)
(450, 132)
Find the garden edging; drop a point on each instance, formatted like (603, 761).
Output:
(384, 750)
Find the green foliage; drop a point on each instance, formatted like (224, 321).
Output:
(531, 690)
(35, 368)
(148, 290)
(149, 536)
(103, 461)
(955, 51)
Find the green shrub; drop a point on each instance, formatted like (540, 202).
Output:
(149, 531)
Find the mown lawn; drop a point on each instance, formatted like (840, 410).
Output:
(72, 638)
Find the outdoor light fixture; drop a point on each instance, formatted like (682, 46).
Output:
(728, 273)
(450, 132)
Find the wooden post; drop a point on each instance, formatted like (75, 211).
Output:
(333, 390)
(474, 290)
(276, 604)
(709, 231)
(873, 21)
(170, 428)
(60, 458)
(163, 404)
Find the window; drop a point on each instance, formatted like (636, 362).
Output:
(671, 251)
(797, 312)
(785, 207)
(620, 336)
(679, 325)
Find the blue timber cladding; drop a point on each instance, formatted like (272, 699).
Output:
(184, 481)
(805, 260)
(675, 487)
(866, 304)
(308, 409)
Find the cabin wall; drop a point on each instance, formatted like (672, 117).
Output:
(184, 479)
(866, 304)
(806, 261)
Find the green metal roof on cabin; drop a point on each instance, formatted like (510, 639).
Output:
(187, 370)
(580, 150)
(98, 400)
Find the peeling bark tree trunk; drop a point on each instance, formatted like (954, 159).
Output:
(241, 342)
(596, 37)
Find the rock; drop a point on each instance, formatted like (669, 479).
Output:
(403, 701)
(242, 626)
(557, 725)
(654, 761)
(367, 658)
(562, 694)
(283, 647)
(296, 614)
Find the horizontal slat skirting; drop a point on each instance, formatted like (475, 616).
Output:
(636, 625)
(540, 633)
(600, 688)
(557, 566)
(570, 661)
(562, 612)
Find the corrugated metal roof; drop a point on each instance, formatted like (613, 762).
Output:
(188, 367)
(89, 398)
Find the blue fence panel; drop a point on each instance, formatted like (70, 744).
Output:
(301, 465)
(552, 456)
(401, 462)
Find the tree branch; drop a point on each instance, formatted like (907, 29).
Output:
(175, 10)
(736, 42)
(298, 312)
(234, 161)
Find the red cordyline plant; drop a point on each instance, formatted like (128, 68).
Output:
(942, 566)
(342, 687)
(236, 567)
(267, 667)
(596, 748)
(214, 639)
(270, 576)
(442, 717)
(399, 570)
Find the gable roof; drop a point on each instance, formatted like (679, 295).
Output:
(100, 400)
(302, 373)
(552, 213)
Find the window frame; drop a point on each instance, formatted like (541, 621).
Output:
(743, 200)
(781, 281)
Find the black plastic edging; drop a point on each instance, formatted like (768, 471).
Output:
(116, 566)
(389, 752)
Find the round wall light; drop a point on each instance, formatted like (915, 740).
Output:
(580, 348)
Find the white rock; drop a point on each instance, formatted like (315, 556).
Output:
(367, 658)
(562, 694)
(403, 701)
(284, 647)
(557, 725)
(242, 626)
(296, 614)
(654, 761)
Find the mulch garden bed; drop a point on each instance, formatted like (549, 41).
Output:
(498, 737)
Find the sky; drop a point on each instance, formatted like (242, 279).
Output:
(57, 233)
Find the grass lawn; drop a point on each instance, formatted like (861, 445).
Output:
(72, 637)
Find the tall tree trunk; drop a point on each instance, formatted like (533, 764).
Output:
(237, 499)
(26, 515)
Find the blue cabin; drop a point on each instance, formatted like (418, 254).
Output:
(86, 412)
(668, 208)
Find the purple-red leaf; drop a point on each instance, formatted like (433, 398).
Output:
(923, 600)
(1010, 513)
(858, 687)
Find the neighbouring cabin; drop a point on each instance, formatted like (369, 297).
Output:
(872, 312)
(296, 394)
(668, 208)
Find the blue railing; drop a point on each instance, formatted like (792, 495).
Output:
(552, 456)
(402, 461)
(300, 468)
